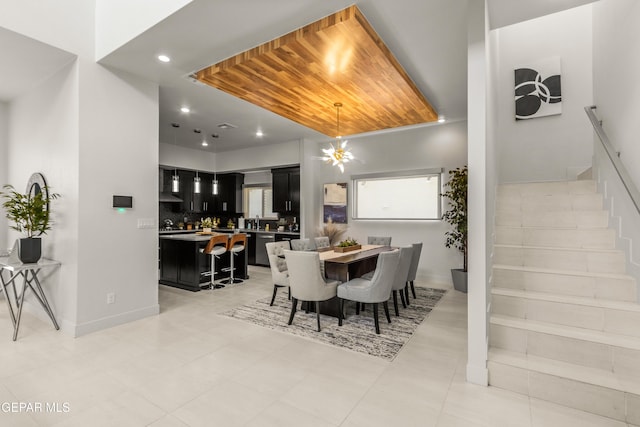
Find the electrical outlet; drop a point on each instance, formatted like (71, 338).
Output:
(111, 298)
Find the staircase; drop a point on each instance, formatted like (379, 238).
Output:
(565, 323)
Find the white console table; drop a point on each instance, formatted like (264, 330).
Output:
(29, 274)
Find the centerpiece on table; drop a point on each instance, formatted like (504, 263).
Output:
(347, 245)
(206, 223)
(30, 214)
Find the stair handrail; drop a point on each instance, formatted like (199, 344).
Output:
(632, 190)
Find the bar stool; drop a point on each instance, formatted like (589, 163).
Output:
(217, 246)
(237, 244)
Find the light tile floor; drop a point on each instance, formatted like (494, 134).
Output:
(191, 367)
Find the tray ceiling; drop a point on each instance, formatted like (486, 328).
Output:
(338, 59)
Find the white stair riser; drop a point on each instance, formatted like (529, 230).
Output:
(566, 219)
(545, 188)
(550, 203)
(621, 322)
(623, 361)
(591, 398)
(561, 259)
(602, 238)
(584, 286)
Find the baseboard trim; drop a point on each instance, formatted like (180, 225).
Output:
(111, 321)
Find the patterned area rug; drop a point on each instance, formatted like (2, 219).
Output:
(358, 331)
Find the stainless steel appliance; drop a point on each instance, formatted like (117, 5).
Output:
(261, 250)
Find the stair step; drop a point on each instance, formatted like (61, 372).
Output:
(618, 287)
(591, 390)
(575, 333)
(589, 313)
(558, 219)
(588, 260)
(583, 238)
(549, 187)
(549, 203)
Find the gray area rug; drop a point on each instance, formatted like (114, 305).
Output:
(358, 331)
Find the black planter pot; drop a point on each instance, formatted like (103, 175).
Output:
(459, 277)
(30, 250)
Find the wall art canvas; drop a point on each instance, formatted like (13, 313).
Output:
(335, 203)
(538, 90)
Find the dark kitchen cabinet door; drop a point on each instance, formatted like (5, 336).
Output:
(286, 190)
(229, 200)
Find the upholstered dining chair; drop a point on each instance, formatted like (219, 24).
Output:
(374, 291)
(379, 240)
(400, 278)
(413, 269)
(322, 242)
(302, 245)
(216, 246)
(237, 243)
(306, 283)
(279, 272)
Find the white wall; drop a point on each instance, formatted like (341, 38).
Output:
(440, 146)
(4, 166)
(616, 68)
(616, 91)
(94, 133)
(43, 137)
(118, 21)
(553, 147)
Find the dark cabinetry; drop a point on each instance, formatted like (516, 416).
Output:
(286, 190)
(227, 202)
(229, 198)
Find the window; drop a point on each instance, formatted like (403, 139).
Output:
(407, 195)
(257, 201)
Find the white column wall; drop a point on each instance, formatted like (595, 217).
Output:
(4, 166)
(422, 148)
(477, 197)
(554, 147)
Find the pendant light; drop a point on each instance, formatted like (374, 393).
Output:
(175, 182)
(196, 184)
(214, 183)
(175, 179)
(337, 155)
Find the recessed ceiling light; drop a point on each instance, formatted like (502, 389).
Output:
(259, 133)
(215, 135)
(197, 131)
(164, 58)
(185, 109)
(205, 144)
(175, 125)
(441, 119)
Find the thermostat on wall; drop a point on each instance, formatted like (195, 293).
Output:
(122, 201)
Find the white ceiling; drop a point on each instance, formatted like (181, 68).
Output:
(428, 37)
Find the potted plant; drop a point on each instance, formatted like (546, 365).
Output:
(207, 223)
(30, 215)
(347, 245)
(456, 216)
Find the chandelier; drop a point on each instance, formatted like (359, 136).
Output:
(337, 155)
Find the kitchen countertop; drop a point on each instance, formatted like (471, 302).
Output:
(226, 230)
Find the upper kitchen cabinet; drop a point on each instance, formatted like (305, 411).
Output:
(286, 190)
(202, 202)
(229, 199)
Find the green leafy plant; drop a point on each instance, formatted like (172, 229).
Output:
(456, 216)
(347, 242)
(29, 212)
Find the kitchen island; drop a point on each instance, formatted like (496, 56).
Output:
(183, 265)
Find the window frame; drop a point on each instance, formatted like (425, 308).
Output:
(414, 173)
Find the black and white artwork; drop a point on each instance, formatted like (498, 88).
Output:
(537, 89)
(335, 203)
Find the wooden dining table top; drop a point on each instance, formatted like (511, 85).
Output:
(367, 251)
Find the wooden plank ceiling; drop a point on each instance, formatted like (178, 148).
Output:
(338, 59)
